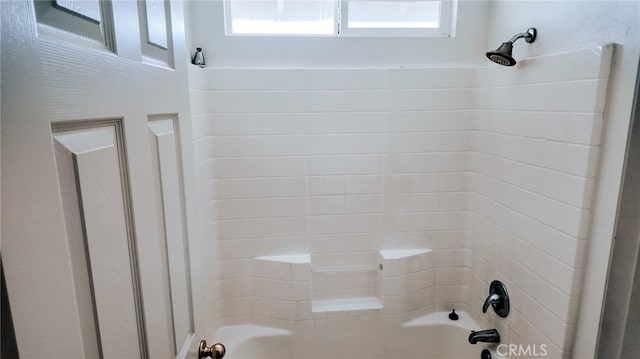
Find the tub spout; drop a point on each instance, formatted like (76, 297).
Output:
(486, 336)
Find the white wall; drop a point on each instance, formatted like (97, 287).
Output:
(564, 26)
(467, 47)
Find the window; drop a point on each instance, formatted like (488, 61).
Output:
(339, 17)
(280, 17)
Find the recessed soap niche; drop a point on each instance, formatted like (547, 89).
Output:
(308, 284)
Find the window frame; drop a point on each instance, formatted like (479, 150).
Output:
(341, 16)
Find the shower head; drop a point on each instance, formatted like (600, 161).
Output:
(502, 55)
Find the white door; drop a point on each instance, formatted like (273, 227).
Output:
(98, 242)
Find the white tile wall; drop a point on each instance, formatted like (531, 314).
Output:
(491, 168)
(533, 159)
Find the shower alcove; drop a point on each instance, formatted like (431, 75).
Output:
(360, 198)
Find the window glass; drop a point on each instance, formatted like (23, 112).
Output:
(393, 14)
(282, 17)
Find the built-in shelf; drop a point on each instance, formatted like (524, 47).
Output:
(343, 282)
(401, 262)
(344, 268)
(346, 304)
(402, 253)
(288, 258)
(442, 318)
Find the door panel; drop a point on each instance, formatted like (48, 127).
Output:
(88, 21)
(96, 173)
(87, 8)
(168, 183)
(155, 31)
(100, 253)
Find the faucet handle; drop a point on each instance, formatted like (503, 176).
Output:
(498, 298)
(491, 299)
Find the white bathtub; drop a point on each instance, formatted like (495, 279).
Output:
(431, 336)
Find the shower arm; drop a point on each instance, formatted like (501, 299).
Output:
(528, 36)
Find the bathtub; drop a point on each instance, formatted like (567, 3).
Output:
(430, 336)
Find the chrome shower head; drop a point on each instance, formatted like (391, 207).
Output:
(502, 55)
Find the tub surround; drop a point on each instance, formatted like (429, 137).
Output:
(448, 177)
